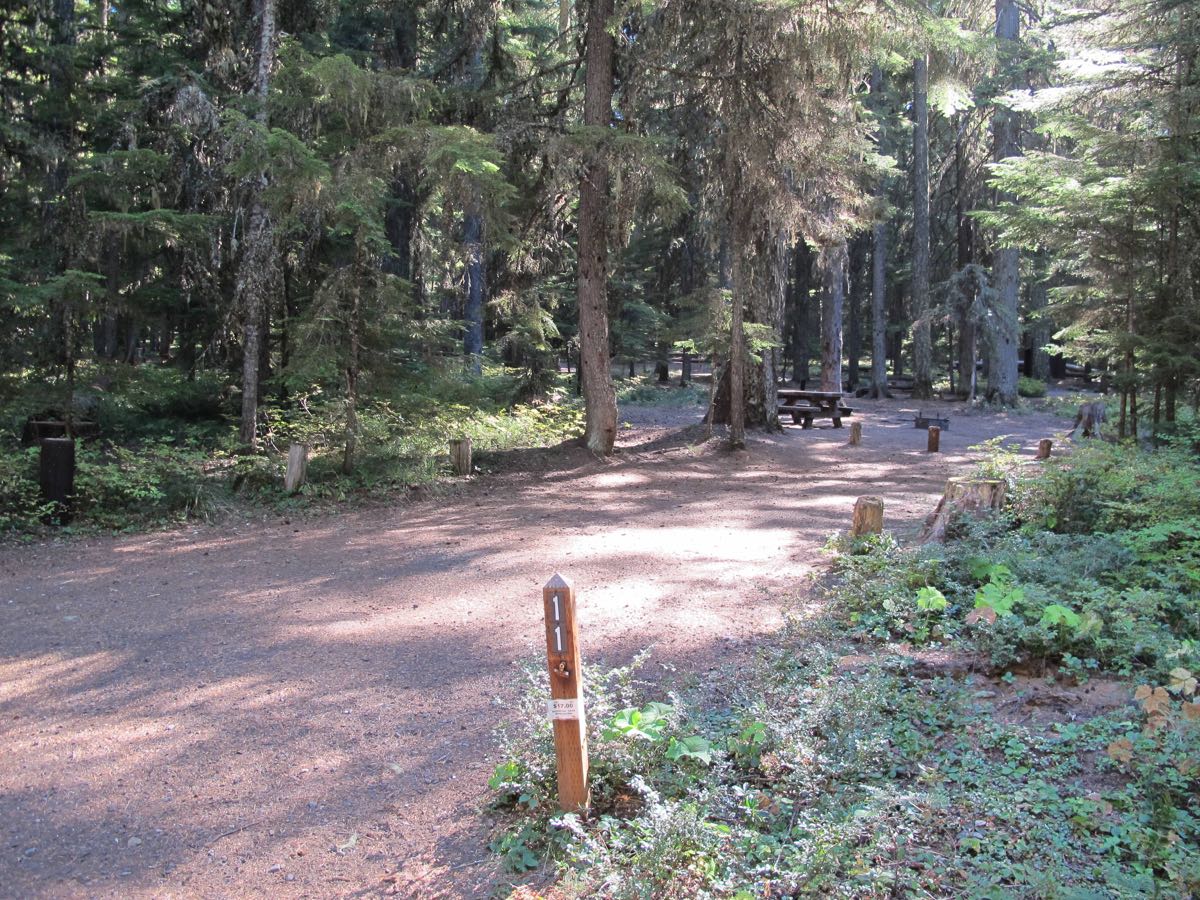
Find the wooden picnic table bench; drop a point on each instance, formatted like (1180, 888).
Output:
(804, 406)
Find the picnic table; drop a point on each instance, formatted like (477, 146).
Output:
(804, 406)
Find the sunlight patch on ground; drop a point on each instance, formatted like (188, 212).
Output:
(625, 599)
(727, 543)
(51, 672)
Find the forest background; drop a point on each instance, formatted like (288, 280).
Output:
(370, 226)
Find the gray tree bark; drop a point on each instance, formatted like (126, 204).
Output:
(879, 322)
(858, 290)
(765, 307)
(922, 345)
(801, 287)
(833, 293)
(737, 344)
(473, 312)
(258, 260)
(1004, 342)
(600, 400)
(967, 343)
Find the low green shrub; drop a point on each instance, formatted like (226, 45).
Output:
(1031, 387)
(1098, 559)
(21, 506)
(121, 487)
(820, 780)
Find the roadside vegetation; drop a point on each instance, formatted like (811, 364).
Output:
(1011, 713)
(168, 448)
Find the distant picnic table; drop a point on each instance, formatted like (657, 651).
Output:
(805, 405)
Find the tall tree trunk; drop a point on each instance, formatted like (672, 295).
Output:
(879, 322)
(922, 344)
(473, 225)
(768, 284)
(473, 338)
(1006, 262)
(833, 292)
(353, 366)
(1130, 369)
(858, 289)
(600, 400)
(737, 345)
(60, 128)
(802, 265)
(964, 310)
(258, 261)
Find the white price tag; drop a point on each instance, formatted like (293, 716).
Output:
(569, 709)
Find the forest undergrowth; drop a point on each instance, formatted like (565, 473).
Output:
(168, 448)
(1012, 713)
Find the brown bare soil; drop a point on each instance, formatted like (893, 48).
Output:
(305, 709)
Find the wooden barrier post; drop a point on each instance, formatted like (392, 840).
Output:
(460, 455)
(566, 695)
(855, 433)
(297, 467)
(868, 516)
(1044, 447)
(935, 437)
(56, 465)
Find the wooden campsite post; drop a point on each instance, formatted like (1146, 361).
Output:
(565, 706)
(868, 516)
(460, 455)
(1044, 446)
(935, 437)
(855, 433)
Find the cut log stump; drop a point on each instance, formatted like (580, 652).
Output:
(935, 439)
(1044, 447)
(868, 516)
(460, 456)
(297, 468)
(963, 496)
(855, 433)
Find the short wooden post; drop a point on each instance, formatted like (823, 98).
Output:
(935, 437)
(56, 465)
(460, 456)
(297, 467)
(565, 707)
(868, 516)
(1044, 447)
(855, 433)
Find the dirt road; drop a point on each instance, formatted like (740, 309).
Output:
(305, 708)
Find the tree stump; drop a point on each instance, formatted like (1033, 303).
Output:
(460, 456)
(974, 496)
(868, 516)
(855, 433)
(935, 439)
(297, 467)
(57, 471)
(1044, 447)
